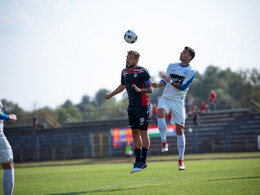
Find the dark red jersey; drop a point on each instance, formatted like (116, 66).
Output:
(141, 78)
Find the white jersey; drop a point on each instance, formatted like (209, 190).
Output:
(6, 153)
(1, 121)
(179, 74)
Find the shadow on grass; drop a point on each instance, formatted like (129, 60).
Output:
(236, 178)
(94, 191)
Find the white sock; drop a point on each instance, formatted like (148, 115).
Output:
(181, 142)
(162, 128)
(8, 181)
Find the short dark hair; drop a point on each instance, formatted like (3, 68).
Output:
(191, 51)
(135, 53)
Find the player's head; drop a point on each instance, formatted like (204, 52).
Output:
(187, 54)
(132, 59)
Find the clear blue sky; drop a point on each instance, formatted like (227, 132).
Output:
(54, 50)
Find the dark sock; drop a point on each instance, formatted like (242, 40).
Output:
(137, 155)
(144, 154)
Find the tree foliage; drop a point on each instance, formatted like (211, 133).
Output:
(229, 86)
(238, 87)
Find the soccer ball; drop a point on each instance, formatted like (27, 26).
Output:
(130, 37)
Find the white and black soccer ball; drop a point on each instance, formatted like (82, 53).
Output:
(130, 36)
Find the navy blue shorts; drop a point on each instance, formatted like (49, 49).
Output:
(138, 117)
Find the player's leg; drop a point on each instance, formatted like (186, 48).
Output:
(137, 147)
(162, 123)
(143, 126)
(144, 118)
(181, 142)
(6, 160)
(137, 141)
(145, 146)
(178, 118)
(8, 178)
(144, 152)
(137, 144)
(162, 111)
(162, 126)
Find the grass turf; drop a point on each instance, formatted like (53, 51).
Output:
(224, 176)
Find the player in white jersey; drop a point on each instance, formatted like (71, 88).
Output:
(6, 154)
(177, 79)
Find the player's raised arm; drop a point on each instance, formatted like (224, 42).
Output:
(190, 77)
(11, 117)
(167, 79)
(118, 90)
(157, 85)
(160, 84)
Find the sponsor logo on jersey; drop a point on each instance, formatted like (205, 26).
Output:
(177, 78)
(135, 74)
(185, 71)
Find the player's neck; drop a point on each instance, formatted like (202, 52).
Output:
(185, 63)
(133, 67)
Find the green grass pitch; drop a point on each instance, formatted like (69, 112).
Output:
(204, 174)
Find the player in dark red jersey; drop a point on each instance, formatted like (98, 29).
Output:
(136, 80)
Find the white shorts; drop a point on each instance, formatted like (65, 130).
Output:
(176, 107)
(6, 153)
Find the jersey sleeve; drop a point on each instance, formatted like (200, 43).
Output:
(147, 78)
(4, 116)
(188, 80)
(168, 71)
(122, 78)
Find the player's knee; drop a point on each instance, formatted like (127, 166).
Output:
(135, 133)
(9, 165)
(161, 113)
(144, 133)
(179, 131)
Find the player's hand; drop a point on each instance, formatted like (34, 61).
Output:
(136, 88)
(167, 79)
(107, 96)
(12, 117)
(154, 85)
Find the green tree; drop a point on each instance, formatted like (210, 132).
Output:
(62, 115)
(85, 100)
(229, 86)
(238, 86)
(69, 112)
(83, 105)
(99, 97)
